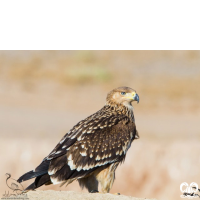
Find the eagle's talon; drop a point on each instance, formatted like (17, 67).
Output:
(94, 191)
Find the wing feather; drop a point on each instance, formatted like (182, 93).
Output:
(103, 146)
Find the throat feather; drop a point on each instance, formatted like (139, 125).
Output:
(122, 109)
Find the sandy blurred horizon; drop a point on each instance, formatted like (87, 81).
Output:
(44, 93)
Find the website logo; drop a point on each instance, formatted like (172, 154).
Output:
(15, 190)
(189, 191)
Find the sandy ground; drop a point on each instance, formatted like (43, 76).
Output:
(70, 195)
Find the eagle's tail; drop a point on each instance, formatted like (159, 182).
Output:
(41, 174)
(39, 181)
(30, 175)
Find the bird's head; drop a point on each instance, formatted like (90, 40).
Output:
(123, 96)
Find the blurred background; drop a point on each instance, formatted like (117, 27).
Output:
(44, 93)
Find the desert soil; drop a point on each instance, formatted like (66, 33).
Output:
(71, 195)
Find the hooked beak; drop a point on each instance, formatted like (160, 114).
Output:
(136, 98)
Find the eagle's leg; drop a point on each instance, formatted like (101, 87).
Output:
(90, 183)
(106, 177)
(106, 182)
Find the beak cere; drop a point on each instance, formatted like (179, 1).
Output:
(136, 98)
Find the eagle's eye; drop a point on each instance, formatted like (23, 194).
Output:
(123, 93)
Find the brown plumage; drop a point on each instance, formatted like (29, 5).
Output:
(91, 151)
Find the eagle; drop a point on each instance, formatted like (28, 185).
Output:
(92, 150)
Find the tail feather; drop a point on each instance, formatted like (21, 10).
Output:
(44, 166)
(30, 175)
(30, 187)
(39, 171)
(39, 181)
